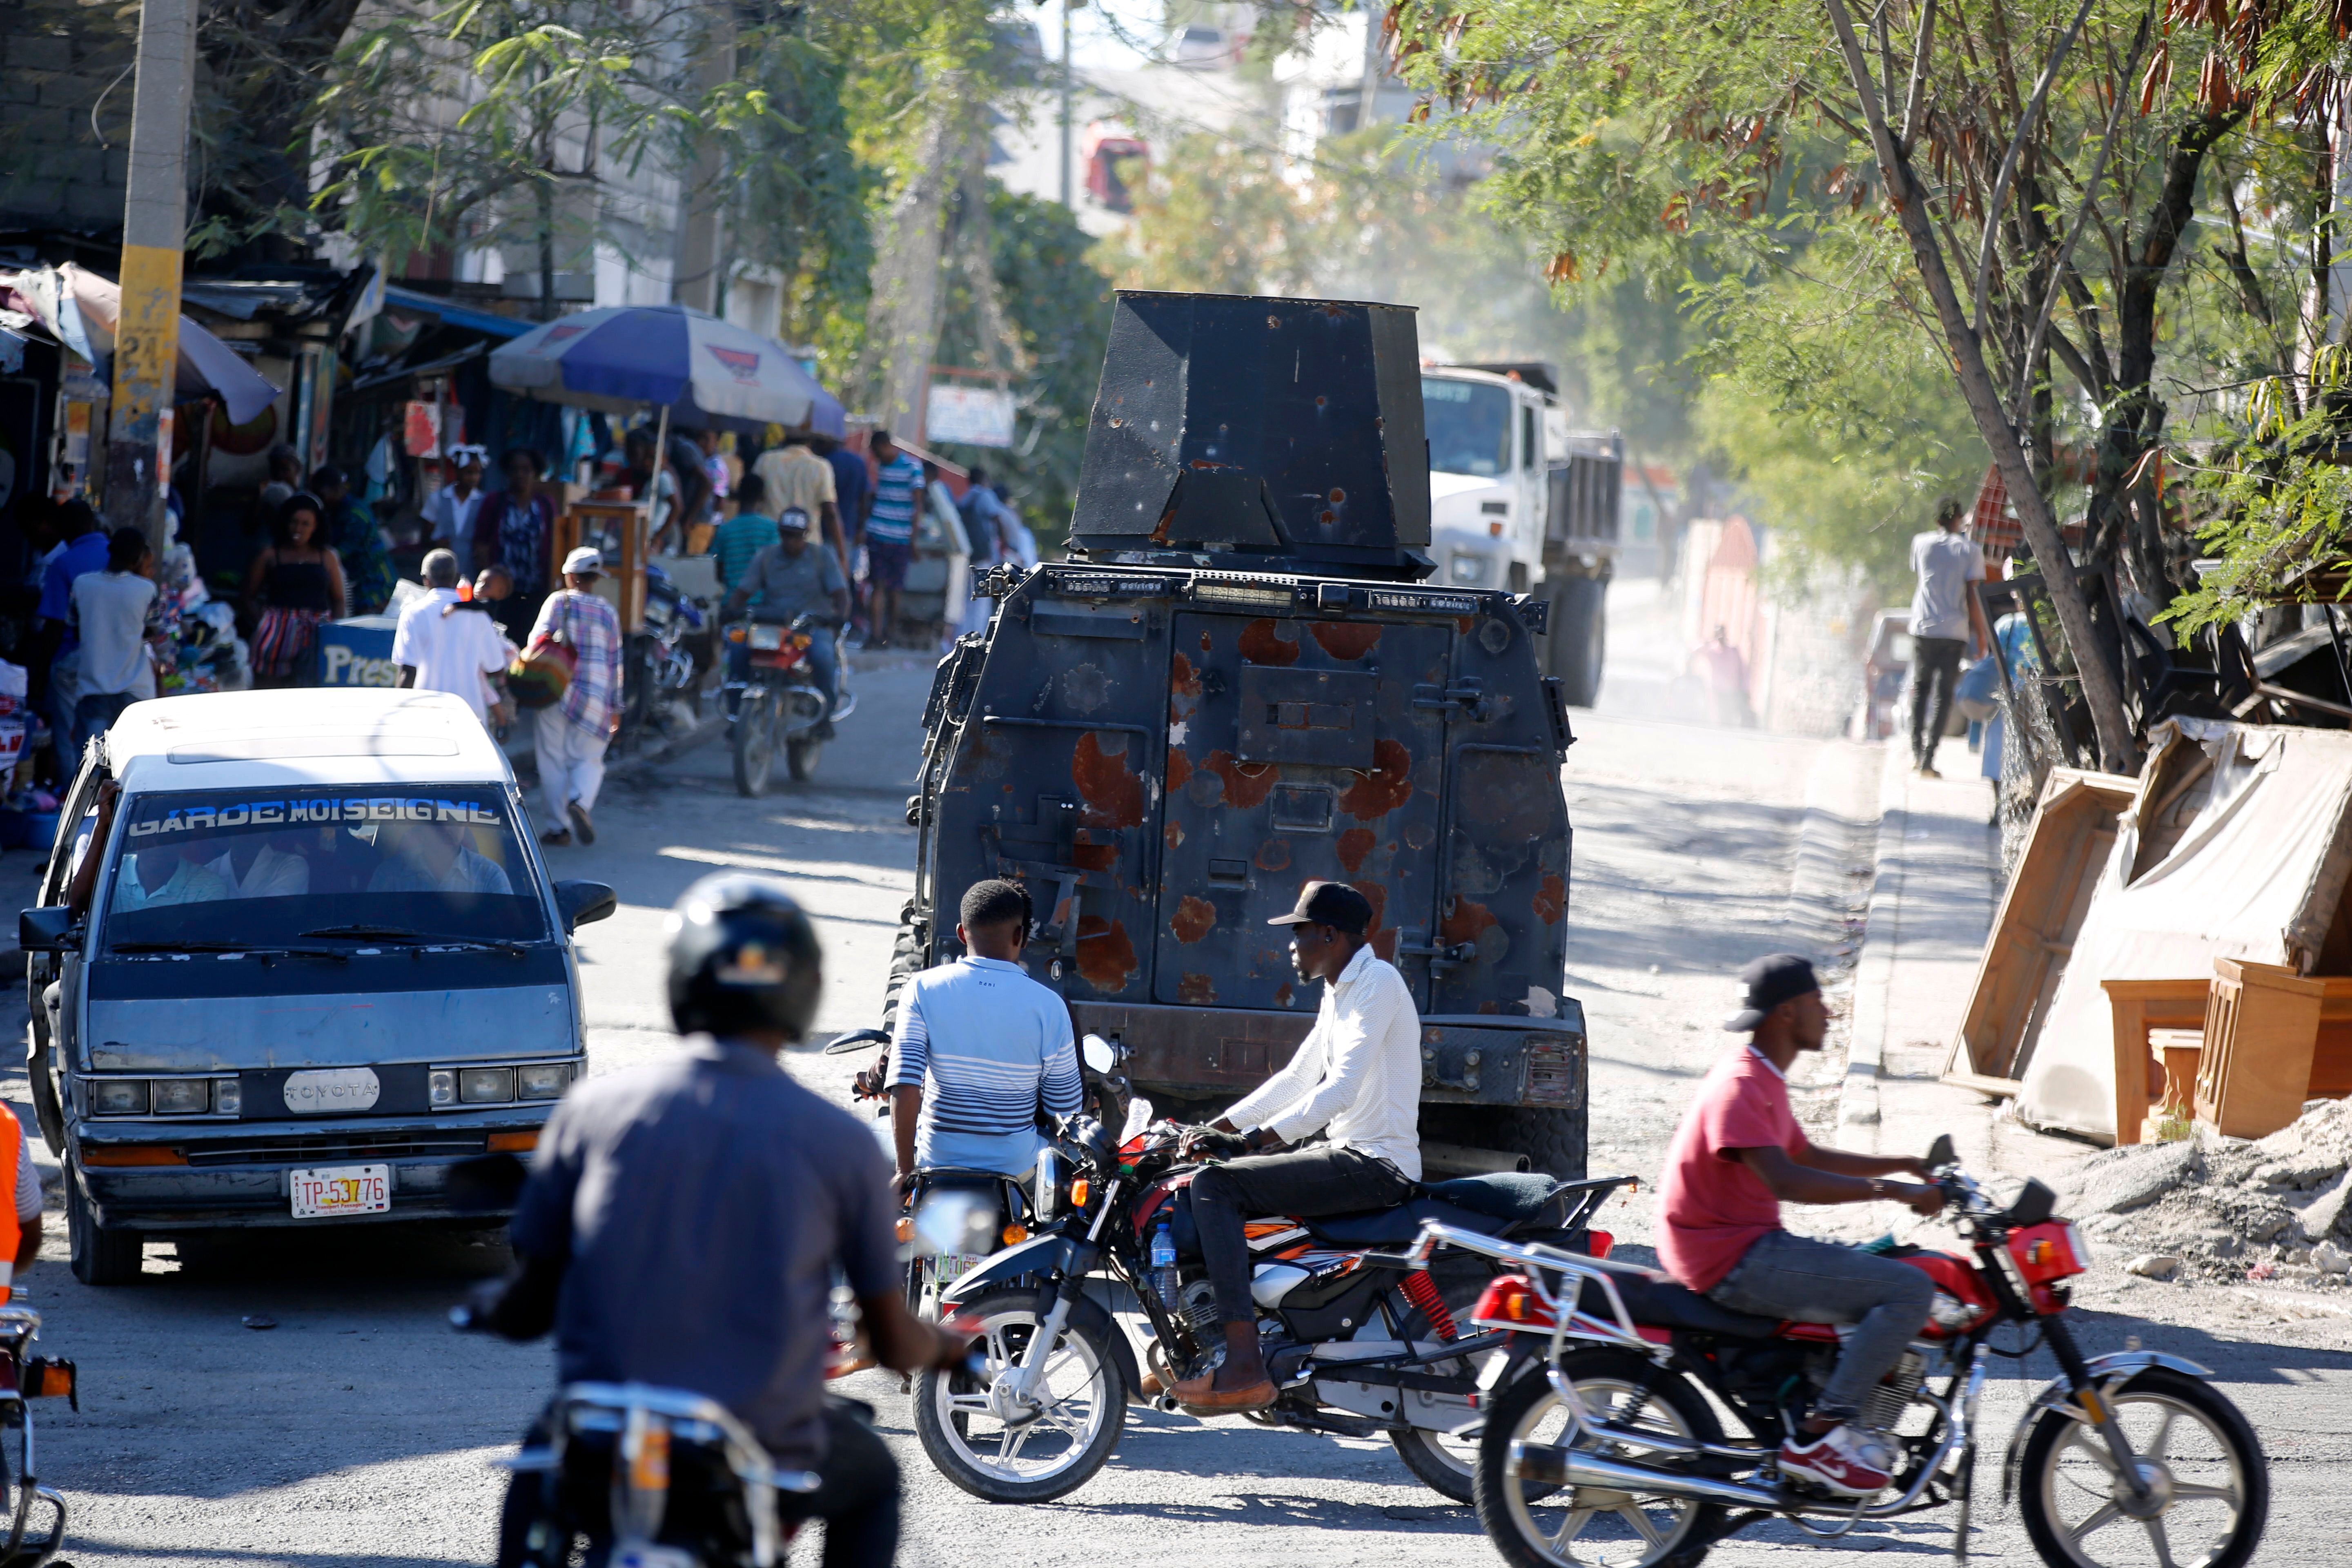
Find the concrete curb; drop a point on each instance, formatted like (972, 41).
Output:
(1820, 914)
(1874, 973)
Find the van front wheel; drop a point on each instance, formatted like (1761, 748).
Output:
(101, 1255)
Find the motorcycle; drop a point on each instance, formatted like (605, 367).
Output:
(779, 702)
(1602, 1445)
(24, 1378)
(1360, 1343)
(662, 1478)
(659, 670)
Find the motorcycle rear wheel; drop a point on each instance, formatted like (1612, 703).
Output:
(1580, 1527)
(2206, 1456)
(755, 738)
(1084, 1398)
(1445, 1465)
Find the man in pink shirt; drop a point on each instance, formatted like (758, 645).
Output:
(1737, 1155)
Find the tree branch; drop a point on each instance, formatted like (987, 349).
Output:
(2017, 150)
(1914, 99)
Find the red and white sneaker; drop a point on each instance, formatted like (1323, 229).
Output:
(1845, 1459)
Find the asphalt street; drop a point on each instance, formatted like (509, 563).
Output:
(295, 1398)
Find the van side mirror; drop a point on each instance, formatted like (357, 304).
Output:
(583, 901)
(52, 929)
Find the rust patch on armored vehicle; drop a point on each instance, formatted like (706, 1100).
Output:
(1468, 921)
(1552, 901)
(1386, 787)
(1180, 769)
(1353, 845)
(1105, 956)
(1195, 918)
(1113, 793)
(1264, 642)
(1246, 783)
(1197, 990)
(1273, 855)
(1347, 640)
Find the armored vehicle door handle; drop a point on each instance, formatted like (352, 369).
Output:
(1441, 955)
(1466, 696)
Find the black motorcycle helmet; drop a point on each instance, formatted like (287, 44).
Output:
(742, 956)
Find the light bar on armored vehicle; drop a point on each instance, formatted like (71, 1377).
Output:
(1280, 593)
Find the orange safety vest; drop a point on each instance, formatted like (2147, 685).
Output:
(11, 1149)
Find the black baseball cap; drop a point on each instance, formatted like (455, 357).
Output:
(1775, 978)
(1333, 904)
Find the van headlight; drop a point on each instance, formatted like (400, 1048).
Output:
(181, 1096)
(485, 1085)
(451, 1086)
(118, 1097)
(542, 1081)
(1469, 570)
(163, 1096)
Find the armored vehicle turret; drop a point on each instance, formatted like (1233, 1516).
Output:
(1239, 682)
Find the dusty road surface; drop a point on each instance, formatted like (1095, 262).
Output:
(359, 1430)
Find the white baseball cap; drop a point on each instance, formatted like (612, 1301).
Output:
(584, 562)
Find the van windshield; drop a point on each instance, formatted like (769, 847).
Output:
(1469, 426)
(251, 868)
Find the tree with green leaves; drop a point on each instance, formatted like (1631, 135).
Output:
(2012, 182)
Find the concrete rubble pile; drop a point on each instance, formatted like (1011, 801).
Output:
(2215, 1207)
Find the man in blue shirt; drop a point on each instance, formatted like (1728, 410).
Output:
(890, 533)
(85, 553)
(981, 1048)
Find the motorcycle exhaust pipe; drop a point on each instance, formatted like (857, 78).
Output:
(1460, 1160)
(1548, 1466)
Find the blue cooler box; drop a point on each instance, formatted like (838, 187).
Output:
(358, 652)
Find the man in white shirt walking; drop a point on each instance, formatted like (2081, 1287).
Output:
(441, 645)
(1357, 1078)
(1944, 620)
(452, 508)
(110, 611)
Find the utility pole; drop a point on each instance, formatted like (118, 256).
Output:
(1068, 196)
(697, 282)
(154, 241)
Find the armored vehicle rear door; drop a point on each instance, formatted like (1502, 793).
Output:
(1296, 752)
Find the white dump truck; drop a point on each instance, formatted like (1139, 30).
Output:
(1519, 501)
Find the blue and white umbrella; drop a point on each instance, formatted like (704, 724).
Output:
(709, 374)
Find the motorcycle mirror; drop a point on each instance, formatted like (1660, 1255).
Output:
(856, 1040)
(956, 1222)
(1100, 1054)
(1940, 1153)
(1139, 1117)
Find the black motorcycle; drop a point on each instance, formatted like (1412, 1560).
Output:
(1360, 1343)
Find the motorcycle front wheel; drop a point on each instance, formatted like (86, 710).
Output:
(990, 1445)
(2209, 1487)
(800, 754)
(755, 738)
(1583, 1526)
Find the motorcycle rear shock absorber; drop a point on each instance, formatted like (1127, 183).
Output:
(1421, 1291)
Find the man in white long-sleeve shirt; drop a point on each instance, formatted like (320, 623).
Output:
(1355, 1079)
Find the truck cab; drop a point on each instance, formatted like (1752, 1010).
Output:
(295, 957)
(1488, 484)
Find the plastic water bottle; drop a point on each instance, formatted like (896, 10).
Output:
(1163, 1263)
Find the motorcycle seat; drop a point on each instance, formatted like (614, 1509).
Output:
(1399, 1226)
(1658, 1302)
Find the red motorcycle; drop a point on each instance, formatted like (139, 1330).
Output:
(1600, 1447)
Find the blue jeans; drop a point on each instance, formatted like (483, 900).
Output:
(1809, 1281)
(93, 716)
(824, 662)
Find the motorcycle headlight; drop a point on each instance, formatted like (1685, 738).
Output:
(767, 639)
(656, 612)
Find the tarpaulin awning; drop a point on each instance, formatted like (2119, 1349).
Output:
(2247, 859)
(709, 373)
(79, 309)
(452, 314)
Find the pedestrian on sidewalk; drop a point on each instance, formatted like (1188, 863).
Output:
(295, 582)
(1945, 623)
(111, 610)
(56, 645)
(443, 644)
(573, 734)
(890, 534)
(452, 508)
(741, 537)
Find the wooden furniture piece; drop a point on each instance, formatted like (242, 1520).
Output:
(619, 528)
(2034, 934)
(2261, 1027)
(2138, 1007)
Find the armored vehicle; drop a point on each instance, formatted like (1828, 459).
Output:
(1238, 682)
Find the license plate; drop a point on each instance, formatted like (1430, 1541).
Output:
(340, 1190)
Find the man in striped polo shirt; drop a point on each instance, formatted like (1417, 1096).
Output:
(981, 1050)
(889, 534)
